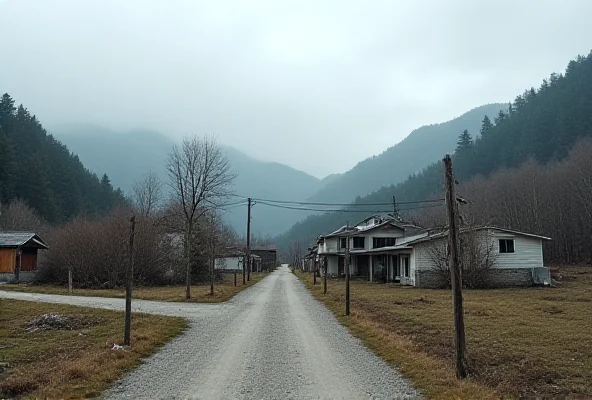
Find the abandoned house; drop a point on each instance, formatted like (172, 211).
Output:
(18, 255)
(383, 249)
(268, 256)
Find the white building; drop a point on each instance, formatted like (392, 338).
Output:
(232, 260)
(383, 249)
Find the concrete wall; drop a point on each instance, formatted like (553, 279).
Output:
(506, 277)
(24, 276)
(497, 278)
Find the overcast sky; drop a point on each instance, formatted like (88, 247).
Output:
(316, 85)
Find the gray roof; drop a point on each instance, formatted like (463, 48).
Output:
(18, 239)
(263, 248)
(353, 230)
(478, 228)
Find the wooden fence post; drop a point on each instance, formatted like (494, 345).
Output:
(129, 280)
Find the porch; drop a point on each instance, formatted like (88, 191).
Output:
(385, 267)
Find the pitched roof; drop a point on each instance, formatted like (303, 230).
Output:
(18, 239)
(357, 230)
(263, 247)
(442, 234)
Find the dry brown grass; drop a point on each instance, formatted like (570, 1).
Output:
(74, 363)
(223, 291)
(521, 343)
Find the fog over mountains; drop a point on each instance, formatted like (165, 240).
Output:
(127, 156)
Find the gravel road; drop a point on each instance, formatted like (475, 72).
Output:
(271, 341)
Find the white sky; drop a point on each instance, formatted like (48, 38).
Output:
(317, 85)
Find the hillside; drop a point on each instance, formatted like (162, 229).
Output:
(542, 124)
(411, 155)
(126, 157)
(40, 170)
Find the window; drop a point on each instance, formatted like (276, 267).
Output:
(359, 242)
(383, 242)
(404, 267)
(342, 243)
(506, 245)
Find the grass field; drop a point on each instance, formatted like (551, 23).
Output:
(75, 361)
(521, 343)
(223, 291)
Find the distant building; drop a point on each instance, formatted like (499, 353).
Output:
(268, 256)
(232, 260)
(18, 255)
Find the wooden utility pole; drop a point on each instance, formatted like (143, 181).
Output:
(346, 266)
(213, 253)
(460, 361)
(70, 280)
(19, 263)
(235, 278)
(128, 283)
(249, 241)
(325, 277)
(314, 272)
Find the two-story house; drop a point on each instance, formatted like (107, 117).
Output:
(370, 244)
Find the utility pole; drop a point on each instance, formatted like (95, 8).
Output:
(325, 277)
(19, 262)
(346, 266)
(395, 209)
(314, 272)
(129, 281)
(248, 242)
(460, 361)
(213, 252)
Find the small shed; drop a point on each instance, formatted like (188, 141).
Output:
(268, 256)
(19, 249)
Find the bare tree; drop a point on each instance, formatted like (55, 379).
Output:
(18, 216)
(147, 194)
(200, 177)
(477, 258)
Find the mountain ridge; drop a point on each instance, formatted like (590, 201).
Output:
(409, 156)
(126, 156)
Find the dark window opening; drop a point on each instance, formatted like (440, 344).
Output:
(359, 242)
(383, 242)
(506, 245)
(342, 243)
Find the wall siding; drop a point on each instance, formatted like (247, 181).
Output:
(528, 251)
(7, 260)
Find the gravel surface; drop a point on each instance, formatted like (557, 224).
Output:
(272, 341)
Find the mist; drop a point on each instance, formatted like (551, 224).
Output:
(315, 85)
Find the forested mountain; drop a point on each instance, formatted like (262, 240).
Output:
(126, 157)
(38, 169)
(408, 157)
(543, 125)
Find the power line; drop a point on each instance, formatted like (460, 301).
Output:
(343, 210)
(308, 203)
(315, 209)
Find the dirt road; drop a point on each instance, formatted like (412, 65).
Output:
(272, 341)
